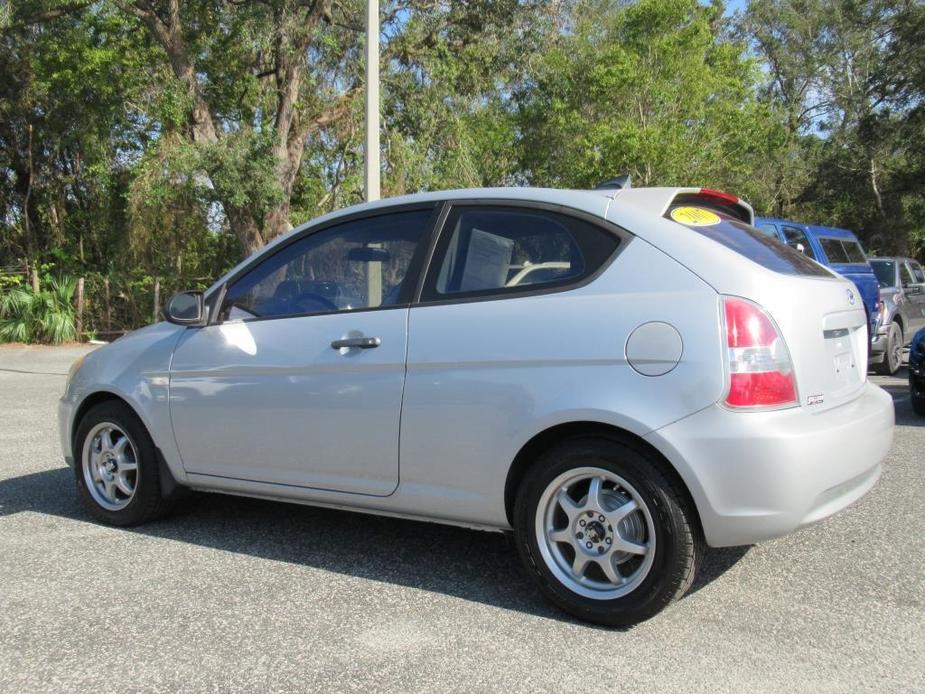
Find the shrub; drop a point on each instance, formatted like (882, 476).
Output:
(45, 316)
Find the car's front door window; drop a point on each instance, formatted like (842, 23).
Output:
(360, 264)
(917, 273)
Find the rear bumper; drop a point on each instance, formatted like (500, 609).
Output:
(756, 476)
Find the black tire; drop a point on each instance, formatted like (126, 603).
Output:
(894, 340)
(679, 540)
(147, 503)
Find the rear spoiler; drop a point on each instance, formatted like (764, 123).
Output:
(718, 201)
(663, 200)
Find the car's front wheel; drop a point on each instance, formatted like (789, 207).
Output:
(116, 467)
(608, 536)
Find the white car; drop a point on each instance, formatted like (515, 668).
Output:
(678, 379)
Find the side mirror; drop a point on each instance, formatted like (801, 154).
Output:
(185, 308)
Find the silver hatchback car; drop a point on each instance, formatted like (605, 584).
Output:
(618, 376)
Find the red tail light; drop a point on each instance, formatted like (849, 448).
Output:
(760, 369)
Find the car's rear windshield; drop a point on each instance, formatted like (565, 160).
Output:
(748, 241)
(843, 251)
(885, 270)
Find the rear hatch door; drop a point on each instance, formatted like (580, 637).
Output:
(825, 327)
(820, 315)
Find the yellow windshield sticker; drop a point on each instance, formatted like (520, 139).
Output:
(695, 216)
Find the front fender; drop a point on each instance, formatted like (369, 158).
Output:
(136, 370)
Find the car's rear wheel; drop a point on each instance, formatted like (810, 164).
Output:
(116, 467)
(893, 359)
(608, 536)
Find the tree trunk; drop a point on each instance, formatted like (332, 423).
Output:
(290, 53)
(245, 229)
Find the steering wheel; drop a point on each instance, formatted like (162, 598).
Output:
(304, 302)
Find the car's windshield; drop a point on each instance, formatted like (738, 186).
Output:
(885, 270)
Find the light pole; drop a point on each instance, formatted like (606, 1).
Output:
(372, 100)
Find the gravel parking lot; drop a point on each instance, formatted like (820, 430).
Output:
(236, 594)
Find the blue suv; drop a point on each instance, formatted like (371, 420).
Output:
(837, 249)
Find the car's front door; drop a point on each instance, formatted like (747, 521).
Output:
(299, 380)
(914, 285)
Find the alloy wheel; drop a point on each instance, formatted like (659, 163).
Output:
(110, 466)
(595, 533)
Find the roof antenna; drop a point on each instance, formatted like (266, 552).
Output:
(623, 182)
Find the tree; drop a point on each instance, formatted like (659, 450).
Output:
(260, 78)
(842, 74)
(651, 89)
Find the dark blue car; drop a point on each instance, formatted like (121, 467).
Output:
(838, 249)
(917, 372)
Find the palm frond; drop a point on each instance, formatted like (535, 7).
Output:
(44, 316)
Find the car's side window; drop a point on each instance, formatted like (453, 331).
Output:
(854, 251)
(905, 276)
(359, 264)
(768, 230)
(917, 272)
(505, 250)
(797, 240)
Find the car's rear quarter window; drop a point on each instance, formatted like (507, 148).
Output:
(844, 251)
(496, 250)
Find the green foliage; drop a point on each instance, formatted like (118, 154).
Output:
(650, 90)
(45, 316)
(846, 79)
(124, 159)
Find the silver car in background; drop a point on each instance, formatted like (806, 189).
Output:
(902, 293)
(618, 376)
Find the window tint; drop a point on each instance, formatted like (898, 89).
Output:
(885, 270)
(854, 251)
(355, 265)
(917, 272)
(770, 253)
(499, 250)
(796, 239)
(905, 276)
(834, 250)
(768, 230)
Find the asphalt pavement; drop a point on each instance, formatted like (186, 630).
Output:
(232, 594)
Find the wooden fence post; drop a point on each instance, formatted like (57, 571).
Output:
(80, 308)
(108, 313)
(157, 297)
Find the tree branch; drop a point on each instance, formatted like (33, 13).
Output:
(51, 14)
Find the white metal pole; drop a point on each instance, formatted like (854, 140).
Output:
(372, 100)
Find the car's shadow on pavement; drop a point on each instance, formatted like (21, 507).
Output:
(898, 388)
(478, 566)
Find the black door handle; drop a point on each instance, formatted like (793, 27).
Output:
(361, 342)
